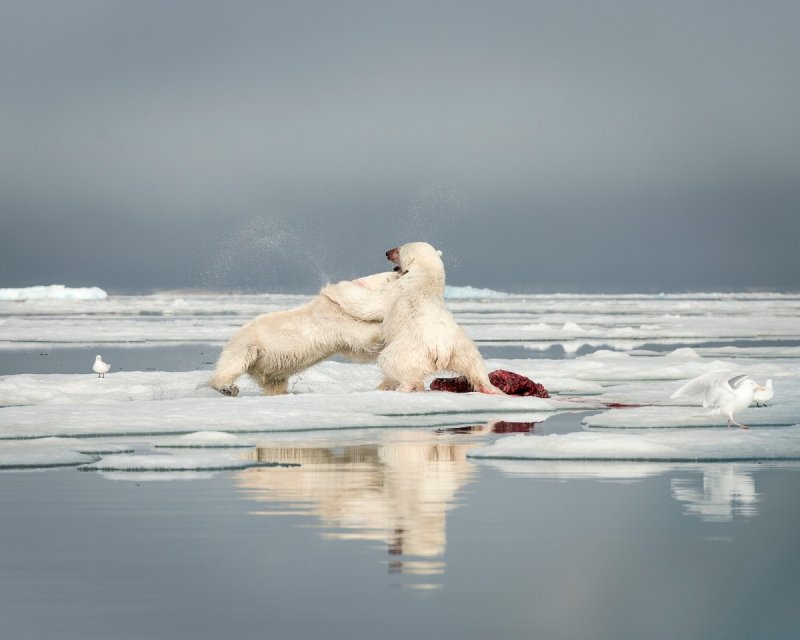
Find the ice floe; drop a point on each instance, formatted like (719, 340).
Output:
(89, 389)
(40, 453)
(53, 292)
(214, 461)
(304, 412)
(207, 440)
(783, 410)
(673, 445)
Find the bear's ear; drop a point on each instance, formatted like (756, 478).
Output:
(439, 252)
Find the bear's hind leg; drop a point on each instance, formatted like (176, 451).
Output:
(271, 386)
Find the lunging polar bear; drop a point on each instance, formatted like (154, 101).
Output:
(345, 318)
(421, 337)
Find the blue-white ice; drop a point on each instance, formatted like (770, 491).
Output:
(154, 410)
(452, 292)
(53, 292)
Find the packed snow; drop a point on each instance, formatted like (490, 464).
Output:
(645, 347)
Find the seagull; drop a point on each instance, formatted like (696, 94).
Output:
(100, 367)
(723, 391)
(761, 397)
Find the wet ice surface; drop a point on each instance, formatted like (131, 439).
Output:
(330, 511)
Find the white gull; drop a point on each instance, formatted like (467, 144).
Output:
(100, 368)
(724, 392)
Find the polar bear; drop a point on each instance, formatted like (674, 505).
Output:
(421, 337)
(345, 318)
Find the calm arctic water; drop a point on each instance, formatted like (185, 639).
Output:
(396, 534)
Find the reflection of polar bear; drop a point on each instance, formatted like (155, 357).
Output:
(345, 318)
(421, 336)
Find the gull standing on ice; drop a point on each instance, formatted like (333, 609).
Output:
(723, 392)
(762, 397)
(100, 368)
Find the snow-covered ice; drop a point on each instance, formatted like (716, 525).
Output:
(213, 461)
(674, 445)
(626, 384)
(44, 452)
(207, 440)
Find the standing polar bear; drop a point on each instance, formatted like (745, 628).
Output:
(421, 337)
(345, 318)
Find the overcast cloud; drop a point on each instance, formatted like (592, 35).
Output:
(582, 146)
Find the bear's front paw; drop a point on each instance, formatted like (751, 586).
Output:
(231, 390)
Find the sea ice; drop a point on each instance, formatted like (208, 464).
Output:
(783, 410)
(214, 461)
(163, 408)
(40, 453)
(534, 320)
(672, 445)
(53, 292)
(207, 440)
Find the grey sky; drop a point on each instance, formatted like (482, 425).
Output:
(583, 146)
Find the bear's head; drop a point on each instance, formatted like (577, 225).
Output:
(419, 255)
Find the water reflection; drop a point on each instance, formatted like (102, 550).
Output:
(495, 426)
(715, 492)
(396, 492)
(726, 490)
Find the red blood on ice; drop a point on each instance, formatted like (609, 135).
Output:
(454, 385)
(515, 384)
(508, 382)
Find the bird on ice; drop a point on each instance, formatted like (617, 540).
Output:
(100, 368)
(723, 392)
(762, 397)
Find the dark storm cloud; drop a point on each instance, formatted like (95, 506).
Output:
(543, 145)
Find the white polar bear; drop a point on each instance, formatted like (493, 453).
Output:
(421, 337)
(345, 318)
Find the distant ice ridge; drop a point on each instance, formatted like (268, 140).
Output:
(53, 292)
(467, 292)
(536, 322)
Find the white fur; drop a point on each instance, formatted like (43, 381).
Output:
(420, 334)
(345, 318)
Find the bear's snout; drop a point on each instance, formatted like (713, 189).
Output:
(393, 255)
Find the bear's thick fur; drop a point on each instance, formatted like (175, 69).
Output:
(420, 335)
(345, 318)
